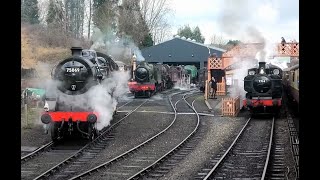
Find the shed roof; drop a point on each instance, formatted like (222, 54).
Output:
(180, 50)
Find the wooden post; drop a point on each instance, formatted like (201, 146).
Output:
(206, 93)
(38, 111)
(206, 90)
(26, 113)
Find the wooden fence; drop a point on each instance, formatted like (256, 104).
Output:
(230, 106)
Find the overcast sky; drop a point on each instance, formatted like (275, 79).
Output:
(230, 18)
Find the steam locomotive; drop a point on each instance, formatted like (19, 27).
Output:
(263, 85)
(150, 78)
(72, 79)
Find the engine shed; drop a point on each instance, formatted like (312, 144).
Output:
(180, 51)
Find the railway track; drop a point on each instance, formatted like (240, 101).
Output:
(44, 147)
(26, 156)
(46, 158)
(74, 158)
(143, 156)
(69, 165)
(247, 157)
(167, 162)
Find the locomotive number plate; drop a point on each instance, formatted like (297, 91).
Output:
(73, 69)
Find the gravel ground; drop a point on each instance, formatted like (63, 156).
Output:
(34, 136)
(200, 105)
(157, 148)
(136, 129)
(219, 130)
(157, 105)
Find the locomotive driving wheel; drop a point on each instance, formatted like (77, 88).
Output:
(92, 132)
(149, 94)
(54, 131)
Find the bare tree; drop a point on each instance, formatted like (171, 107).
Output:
(218, 41)
(155, 13)
(43, 9)
(74, 10)
(161, 33)
(89, 18)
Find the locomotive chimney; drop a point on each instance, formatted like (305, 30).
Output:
(76, 51)
(262, 67)
(134, 64)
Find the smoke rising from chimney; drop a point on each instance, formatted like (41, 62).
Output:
(120, 48)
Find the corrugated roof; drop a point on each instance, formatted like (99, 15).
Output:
(179, 50)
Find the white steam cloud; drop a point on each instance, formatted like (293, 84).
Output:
(119, 48)
(104, 98)
(137, 52)
(238, 75)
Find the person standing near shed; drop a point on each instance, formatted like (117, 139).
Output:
(213, 85)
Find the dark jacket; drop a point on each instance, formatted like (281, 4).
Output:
(213, 84)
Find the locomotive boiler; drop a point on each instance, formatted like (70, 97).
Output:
(263, 85)
(67, 107)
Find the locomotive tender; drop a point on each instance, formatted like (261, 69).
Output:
(263, 85)
(73, 78)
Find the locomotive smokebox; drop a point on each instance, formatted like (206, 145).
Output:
(76, 51)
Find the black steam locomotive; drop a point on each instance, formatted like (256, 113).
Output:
(73, 77)
(263, 85)
(150, 78)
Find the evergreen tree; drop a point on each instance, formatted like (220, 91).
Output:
(233, 42)
(131, 24)
(147, 42)
(196, 35)
(185, 31)
(192, 34)
(104, 14)
(30, 11)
